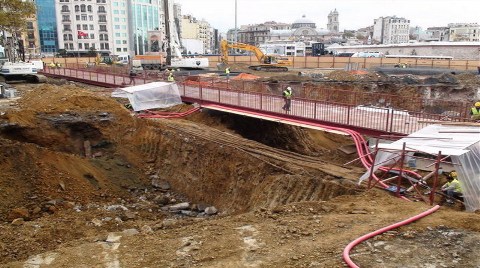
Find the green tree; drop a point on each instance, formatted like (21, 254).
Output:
(13, 19)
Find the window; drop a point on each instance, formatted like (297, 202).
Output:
(79, 27)
(92, 36)
(77, 17)
(82, 8)
(65, 9)
(66, 18)
(85, 27)
(119, 49)
(77, 8)
(80, 46)
(90, 17)
(102, 18)
(103, 28)
(89, 8)
(101, 9)
(91, 27)
(86, 46)
(67, 28)
(84, 17)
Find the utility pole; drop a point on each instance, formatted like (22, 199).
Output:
(236, 29)
(166, 11)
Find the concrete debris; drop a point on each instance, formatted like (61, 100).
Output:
(211, 210)
(179, 206)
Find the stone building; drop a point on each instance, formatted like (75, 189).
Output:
(463, 32)
(333, 22)
(391, 30)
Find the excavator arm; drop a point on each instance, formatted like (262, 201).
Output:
(267, 63)
(225, 46)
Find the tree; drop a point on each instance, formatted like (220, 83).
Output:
(13, 19)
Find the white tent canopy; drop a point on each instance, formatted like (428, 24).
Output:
(460, 142)
(151, 95)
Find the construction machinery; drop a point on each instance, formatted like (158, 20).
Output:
(174, 57)
(269, 63)
(22, 71)
(171, 58)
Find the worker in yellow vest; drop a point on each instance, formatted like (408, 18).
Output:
(170, 77)
(227, 72)
(475, 111)
(452, 188)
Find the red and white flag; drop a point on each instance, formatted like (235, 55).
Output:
(81, 34)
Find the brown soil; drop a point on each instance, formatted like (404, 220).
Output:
(78, 168)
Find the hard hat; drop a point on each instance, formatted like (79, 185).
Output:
(453, 174)
(289, 88)
(477, 104)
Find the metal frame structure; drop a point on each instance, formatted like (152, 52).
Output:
(373, 121)
(402, 178)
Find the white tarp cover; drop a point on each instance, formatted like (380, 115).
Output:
(151, 95)
(462, 143)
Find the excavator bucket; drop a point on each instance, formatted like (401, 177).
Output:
(221, 66)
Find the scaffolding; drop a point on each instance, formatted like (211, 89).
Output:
(444, 147)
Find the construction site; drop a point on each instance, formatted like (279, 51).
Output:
(100, 169)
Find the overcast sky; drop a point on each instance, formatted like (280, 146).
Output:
(353, 14)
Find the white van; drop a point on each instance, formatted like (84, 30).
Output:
(368, 55)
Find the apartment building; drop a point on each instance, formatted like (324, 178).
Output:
(463, 32)
(391, 30)
(259, 33)
(84, 26)
(437, 34)
(193, 29)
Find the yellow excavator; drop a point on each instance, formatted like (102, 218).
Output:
(268, 63)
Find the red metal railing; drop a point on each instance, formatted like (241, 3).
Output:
(355, 109)
(374, 120)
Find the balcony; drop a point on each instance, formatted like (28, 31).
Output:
(64, 21)
(65, 11)
(102, 11)
(102, 21)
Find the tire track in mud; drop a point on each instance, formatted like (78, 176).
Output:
(289, 161)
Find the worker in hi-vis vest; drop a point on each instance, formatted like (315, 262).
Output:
(475, 111)
(287, 96)
(227, 72)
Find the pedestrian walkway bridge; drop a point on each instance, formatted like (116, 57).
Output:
(375, 121)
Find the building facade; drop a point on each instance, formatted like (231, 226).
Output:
(259, 33)
(144, 17)
(333, 22)
(84, 26)
(391, 30)
(437, 34)
(463, 32)
(47, 26)
(193, 29)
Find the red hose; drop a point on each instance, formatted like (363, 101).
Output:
(346, 251)
(155, 114)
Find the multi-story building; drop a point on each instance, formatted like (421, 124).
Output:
(469, 32)
(47, 26)
(193, 29)
(145, 23)
(31, 38)
(84, 26)
(391, 30)
(258, 33)
(437, 34)
(117, 39)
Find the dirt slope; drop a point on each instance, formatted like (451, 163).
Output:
(86, 184)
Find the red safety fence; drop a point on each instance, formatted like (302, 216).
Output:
(367, 119)
(355, 109)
